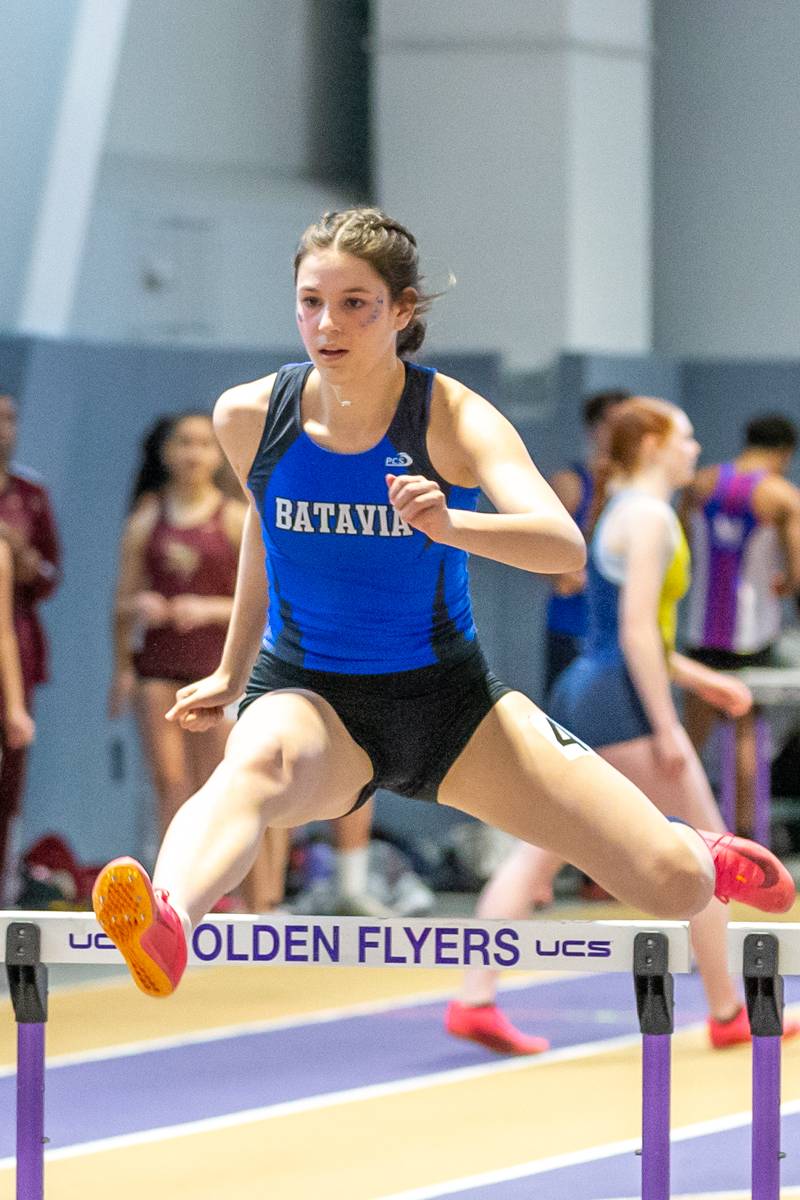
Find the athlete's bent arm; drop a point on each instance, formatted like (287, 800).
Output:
(238, 421)
(531, 529)
(724, 692)
(248, 612)
(568, 488)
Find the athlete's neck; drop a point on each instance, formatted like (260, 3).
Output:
(188, 498)
(372, 396)
(650, 480)
(757, 459)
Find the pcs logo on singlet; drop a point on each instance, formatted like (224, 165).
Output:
(399, 460)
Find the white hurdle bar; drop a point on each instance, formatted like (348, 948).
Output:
(651, 951)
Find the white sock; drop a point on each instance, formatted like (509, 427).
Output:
(351, 871)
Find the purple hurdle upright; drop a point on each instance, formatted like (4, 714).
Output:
(764, 993)
(655, 1006)
(27, 981)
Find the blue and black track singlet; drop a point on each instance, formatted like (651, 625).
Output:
(352, 588)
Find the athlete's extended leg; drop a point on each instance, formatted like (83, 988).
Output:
(289, 760)
(687, 794)
(523, 774)
(524, 879)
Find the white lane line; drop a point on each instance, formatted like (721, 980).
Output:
(269, 1024)
(577, 1158)
(332, 1099)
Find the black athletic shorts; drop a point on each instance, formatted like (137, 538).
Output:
(729, 660)
(412, 724)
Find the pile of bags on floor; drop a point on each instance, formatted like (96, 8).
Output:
(50, 877)
(405, 873)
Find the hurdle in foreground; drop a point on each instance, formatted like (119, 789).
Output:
(650, 951)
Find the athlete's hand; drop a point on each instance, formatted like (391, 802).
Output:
(570, 584)
(15, 538)
(422, 505)
(672, 749)
(18, 729)
(729, 695)
(150, 609)
(782, 585)
(201, 705)
(188, 612)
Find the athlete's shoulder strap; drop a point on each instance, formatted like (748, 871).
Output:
(408, 431)
(281, 424)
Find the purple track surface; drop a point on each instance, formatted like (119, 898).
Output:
(188, 1083)
(718, 1162)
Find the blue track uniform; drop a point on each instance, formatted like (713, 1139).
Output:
(365, 611)
(596, 696)
(352, 588)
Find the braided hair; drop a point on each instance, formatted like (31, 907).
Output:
(388, 247)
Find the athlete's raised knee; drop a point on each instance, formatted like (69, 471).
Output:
(683, 880)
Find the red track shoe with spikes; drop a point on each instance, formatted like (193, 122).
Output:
(142, 924)
(750, 873)
(486, 1024)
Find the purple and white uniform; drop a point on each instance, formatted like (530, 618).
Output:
(735, 559)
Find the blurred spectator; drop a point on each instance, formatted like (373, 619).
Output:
(174, 594)
(567, 613)
(31, 573)
(743, 519)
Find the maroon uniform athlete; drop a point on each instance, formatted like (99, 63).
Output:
(28, 528)
(181, 563)
(177, 576)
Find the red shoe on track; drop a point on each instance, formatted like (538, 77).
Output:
(749, 872)
(142, 924)
(488, 1026)
(736, 1032)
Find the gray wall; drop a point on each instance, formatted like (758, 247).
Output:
(35, 37)
(727, 177)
